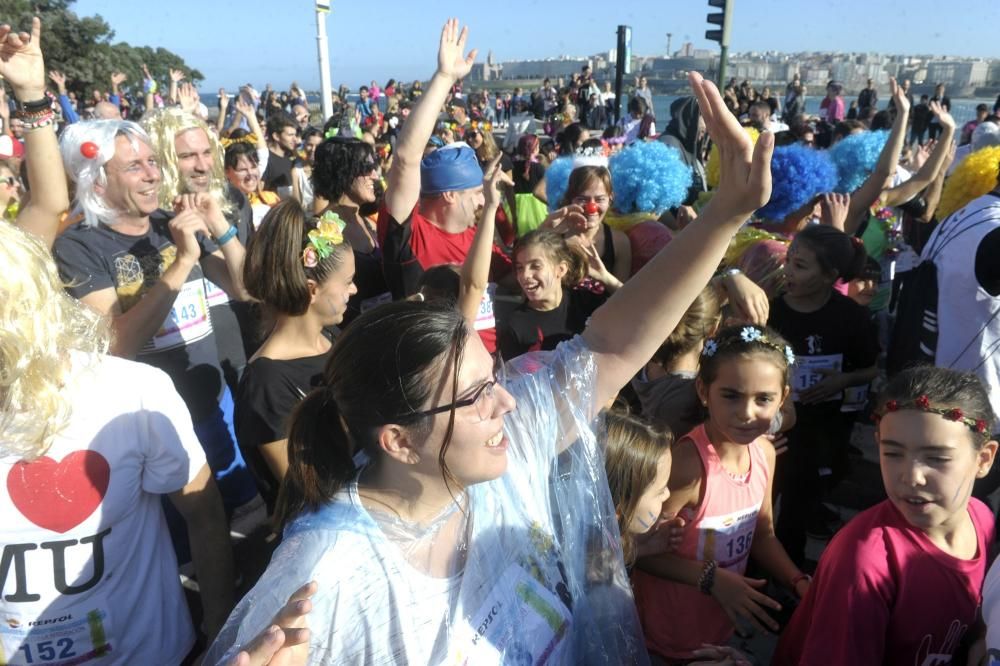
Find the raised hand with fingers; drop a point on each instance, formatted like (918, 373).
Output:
(286, 641)
(118, 78)
(834, 207)
(745, 168)
(494, 177)
(942, 115)
(21, 62)
(899, 99)
(451, 62)
(59, 79)
(246, 109)
(187, 95)
(176, 75)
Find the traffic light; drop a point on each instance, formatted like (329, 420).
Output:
(720, 19)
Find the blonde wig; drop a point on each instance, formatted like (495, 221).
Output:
(163, 126)
(39, 325)
(86, 168)
(974, 176)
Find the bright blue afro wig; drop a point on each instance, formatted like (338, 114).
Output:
(798, 174)
(557, 180)
(649, 177)
(856, 157)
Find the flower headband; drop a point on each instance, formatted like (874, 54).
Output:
(923, 404)
(752, 334)
(248, 138)
(321, 240)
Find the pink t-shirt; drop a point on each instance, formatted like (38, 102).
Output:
(678, 618)
(885, 594)
(835, 110)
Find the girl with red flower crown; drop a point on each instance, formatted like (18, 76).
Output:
(900, 583)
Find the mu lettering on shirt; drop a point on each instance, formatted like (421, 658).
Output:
(87, 565)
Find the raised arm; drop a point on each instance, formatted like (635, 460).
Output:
(871, 189)
(69, 113)
(403, 187)
(475, 275)
(688, 262)
(934, 164)
(117, 79)
(176, 76)
(247, 110)
(21, 63)
(220, 121)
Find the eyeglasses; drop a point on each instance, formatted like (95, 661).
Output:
(9, 181)
(482, 398)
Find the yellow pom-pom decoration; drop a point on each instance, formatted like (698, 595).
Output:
(713, 168)
(972, 178)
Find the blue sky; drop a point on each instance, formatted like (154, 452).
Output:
(232, 42)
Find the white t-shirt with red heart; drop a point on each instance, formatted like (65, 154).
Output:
(88, 572)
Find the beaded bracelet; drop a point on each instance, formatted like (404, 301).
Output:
(707, 579)
(39, 122)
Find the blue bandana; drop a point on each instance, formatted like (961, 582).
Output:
(449, 169)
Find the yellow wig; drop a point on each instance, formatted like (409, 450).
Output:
(972, 178)
(163, 126)
(39, 324)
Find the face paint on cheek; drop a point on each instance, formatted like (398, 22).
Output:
(961, 489)
(652, 520)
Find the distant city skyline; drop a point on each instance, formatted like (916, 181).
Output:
(276, 41)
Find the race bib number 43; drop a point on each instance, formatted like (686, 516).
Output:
(187, 322)
(69, 636)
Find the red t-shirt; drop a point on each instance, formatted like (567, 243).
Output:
(416, 244)
(885, 594)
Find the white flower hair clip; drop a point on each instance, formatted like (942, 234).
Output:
(711, 346)
(789, 355)
(750, 334)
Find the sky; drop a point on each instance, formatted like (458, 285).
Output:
(235, 42)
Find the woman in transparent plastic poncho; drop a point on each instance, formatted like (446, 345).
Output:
(456, 512)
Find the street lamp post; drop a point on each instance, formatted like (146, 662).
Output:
(326, 92)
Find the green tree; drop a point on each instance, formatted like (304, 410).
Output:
(83, 50)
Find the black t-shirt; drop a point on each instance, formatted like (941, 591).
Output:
(94, 258)
(526, 330)
(269, 391)
(278, 172)
(841, 335)
(527, 185)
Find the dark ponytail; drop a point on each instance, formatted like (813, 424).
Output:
(320, 457)
(384, 368)
(835, 250)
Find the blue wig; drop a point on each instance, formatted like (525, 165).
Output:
(856, 156)
(649, 177)
(798, 174)
(557, 180)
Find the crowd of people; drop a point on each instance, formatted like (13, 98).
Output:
(557, 398)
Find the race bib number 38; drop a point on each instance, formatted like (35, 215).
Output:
(69, 636)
